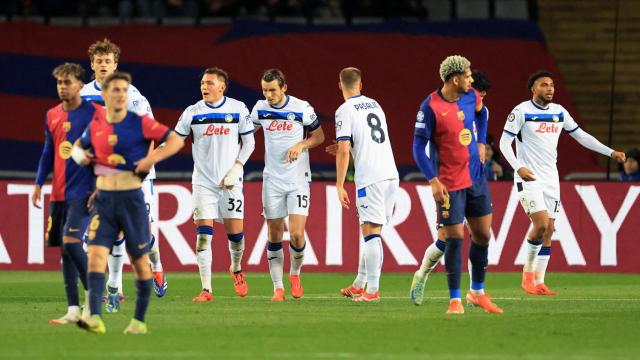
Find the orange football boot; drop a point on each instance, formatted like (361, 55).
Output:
(239, 283)
(296, 289)
(455, 307)
(204, 296)
(351, 291)
(278, 295)
(484, 301)
(542, 289)
(527, 282)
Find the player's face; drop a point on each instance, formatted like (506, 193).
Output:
(68, 87)
(273, 93)
(103, 65)
(630, 166)
(115, 97)
(543, 90)
(465, 80)
(212, 88)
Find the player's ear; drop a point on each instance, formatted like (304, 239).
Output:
(284, 88)
(360, 86)
(340, 85)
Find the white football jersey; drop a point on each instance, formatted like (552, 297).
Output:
(537, 130)
(216, 131)
(136, 103)
(283, 128)
(362, 121)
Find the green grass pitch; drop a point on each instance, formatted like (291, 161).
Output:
(595, 316)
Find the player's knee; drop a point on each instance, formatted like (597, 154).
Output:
(297, 239)
(482, 238)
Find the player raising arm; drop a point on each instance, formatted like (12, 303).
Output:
(537, 124)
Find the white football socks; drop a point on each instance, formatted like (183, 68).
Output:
(533, 247)
(115, 264)
(297, 257)
(154, 255)
(361, 279)
(275, 256)
(205, 256)
(373, 257)
(236, 250)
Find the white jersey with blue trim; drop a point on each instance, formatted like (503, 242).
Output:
(362, 121)
(215, 130)
(537, 130)
(136, 103)
(284, 127)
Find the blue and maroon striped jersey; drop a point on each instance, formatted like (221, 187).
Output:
(449, 127)
(62, 129)
(121, 145)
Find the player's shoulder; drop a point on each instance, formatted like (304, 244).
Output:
(261, 105)
(235, 103)
(523, 107)
(54, 113)
(557, 108)
(296, 102)
(132, 90)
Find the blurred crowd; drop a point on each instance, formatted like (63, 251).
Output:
(205, 8)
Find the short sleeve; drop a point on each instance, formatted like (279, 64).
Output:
(153, 130)
(343, 124)
(570, 124)
(254, 115)
(514, 123)
(245, 124)
(309, 118)
(183, 127)
(425, 120)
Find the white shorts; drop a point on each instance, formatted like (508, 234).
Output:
(538, 196)
(375, 202)
(149, 198)
(217, 203)
(280, 200)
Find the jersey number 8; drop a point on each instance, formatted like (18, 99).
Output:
(377, 134)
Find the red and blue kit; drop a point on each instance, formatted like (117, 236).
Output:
(117, 147)
(71, 184)
(449, 131)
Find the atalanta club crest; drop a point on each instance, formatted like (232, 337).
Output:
(291, 116)
(228, 118)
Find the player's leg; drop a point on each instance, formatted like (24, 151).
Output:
(532, 201)
(357, 287)
(77, 219)
(275, 209)
(232, 209)
(159, 277)
(376, 204)
(133, 216)
(101, 234)
(478, 213)
(430, 259)
(115, 262)
(542, 258)
(298, 203)
(57, 216)
(205, 203)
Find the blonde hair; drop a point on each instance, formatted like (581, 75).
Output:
(350, 76)
(453, 65)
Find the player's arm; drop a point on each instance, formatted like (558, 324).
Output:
(248, 144)
(155, 131)
(44, 166)
(425, 124)
(80, 152)
(512, 127)
(316, 135)
(482, 124)
(341, 152)
(587, 140)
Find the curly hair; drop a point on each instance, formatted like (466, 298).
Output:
(537, 75)
(453, 65)
(104, 47)
(69, 69)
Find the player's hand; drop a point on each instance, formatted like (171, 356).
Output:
(526, 174)
(619, 156)
(144, 166)
(35, 197)
(482, 153)
(343, 197)
(90, 201)
(438, 190)
(294, 152)
(332, 149)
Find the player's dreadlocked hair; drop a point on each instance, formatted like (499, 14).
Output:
(69, 69)
(453, 65)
